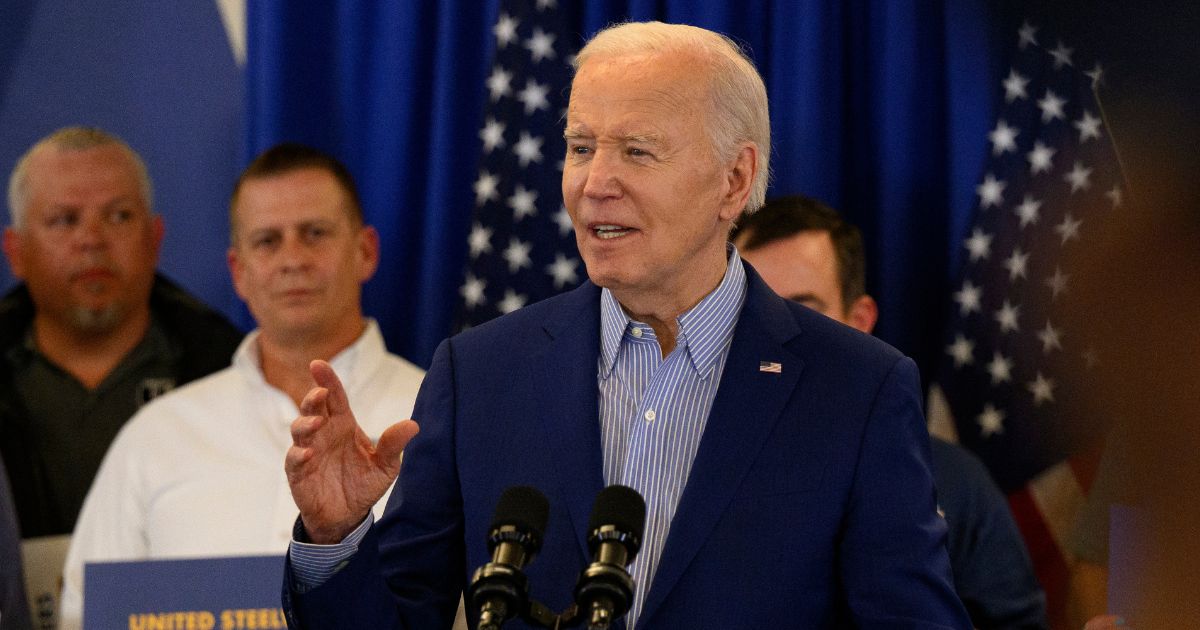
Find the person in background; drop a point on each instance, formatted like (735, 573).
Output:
(92, 333)
(805, 252)
(14, 610)
(182, 482)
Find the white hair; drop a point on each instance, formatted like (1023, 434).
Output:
(737, 95)
(69, 139)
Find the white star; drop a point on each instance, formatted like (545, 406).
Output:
(1028, 211)
(1051, 106)
(522, 203)
(963, 351)
(528, 149)
(542, 5)
(968, 298)
(563, 270)
(1079, 177)
(505, 30)
(1014, 86)
(562, 219)
(1000, 368)
(498, 83)
(1057, 283)
(991, 421)
(480, 240)
(1016, 264)
(1026, 33)
(1068, 229)
(1051, 339)
(1042, 389)
(1114, 195)
(1062, 55)
(511, 302)
(1088, 126)
(1003, 138)
(541, 45)
(991, 191)
(517, 255)
(1007, 317)
(534, 96)
(485, 188)
(1039, 158)
(472, 291)
(979, 245)
(492, 135)
(1097, 75)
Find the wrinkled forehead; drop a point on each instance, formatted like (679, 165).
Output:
(651, 87)
(678, 77)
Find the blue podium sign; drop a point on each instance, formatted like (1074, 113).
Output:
(240, 593)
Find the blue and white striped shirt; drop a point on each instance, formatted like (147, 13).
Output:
(653, 409)
(652, 415)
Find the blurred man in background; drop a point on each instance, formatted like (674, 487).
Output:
(92, 333)
(181, 481)
(805, 252)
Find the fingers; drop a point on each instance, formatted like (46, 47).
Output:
(314, 402)
(305, 430)
(324, 376)
(392, 443)
(295, 459)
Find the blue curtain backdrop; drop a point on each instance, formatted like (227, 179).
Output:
(879, 108)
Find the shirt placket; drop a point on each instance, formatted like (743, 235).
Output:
(648, 466)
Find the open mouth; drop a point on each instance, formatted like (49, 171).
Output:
(606, 232)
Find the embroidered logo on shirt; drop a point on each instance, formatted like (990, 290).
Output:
(151, 388)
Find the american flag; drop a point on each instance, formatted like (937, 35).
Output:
(522, 247)
(1052, 177)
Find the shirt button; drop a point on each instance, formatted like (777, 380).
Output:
(637, 332)
(649, 415)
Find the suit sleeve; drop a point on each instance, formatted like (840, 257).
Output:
(893, 559)
(408, 571)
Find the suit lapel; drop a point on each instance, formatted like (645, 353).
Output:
(748, 404)
(569, 397)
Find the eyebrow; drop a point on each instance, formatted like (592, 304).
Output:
(641, 138)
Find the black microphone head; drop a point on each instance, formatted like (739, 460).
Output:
(623, 511)
(525, 509)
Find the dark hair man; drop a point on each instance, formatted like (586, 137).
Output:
(807, 253)
(179, 482)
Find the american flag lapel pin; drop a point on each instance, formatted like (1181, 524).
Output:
(770, 367)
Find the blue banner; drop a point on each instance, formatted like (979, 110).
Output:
(201, 594)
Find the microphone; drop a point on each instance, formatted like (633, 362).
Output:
(499, 589)
(605, 588)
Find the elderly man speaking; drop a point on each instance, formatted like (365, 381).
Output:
(783, 457)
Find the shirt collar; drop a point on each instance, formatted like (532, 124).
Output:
(704, 330)
(358, 358)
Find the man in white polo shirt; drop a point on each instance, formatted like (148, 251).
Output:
(180, 481)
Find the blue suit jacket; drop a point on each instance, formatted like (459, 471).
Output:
(810, 503)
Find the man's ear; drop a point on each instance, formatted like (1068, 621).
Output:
(739, 179)
(235, 270)
(12, 251)
(368, 250)
(863, 314)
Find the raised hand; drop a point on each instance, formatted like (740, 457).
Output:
(335, 472)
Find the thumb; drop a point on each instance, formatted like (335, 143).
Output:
(392, 443)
